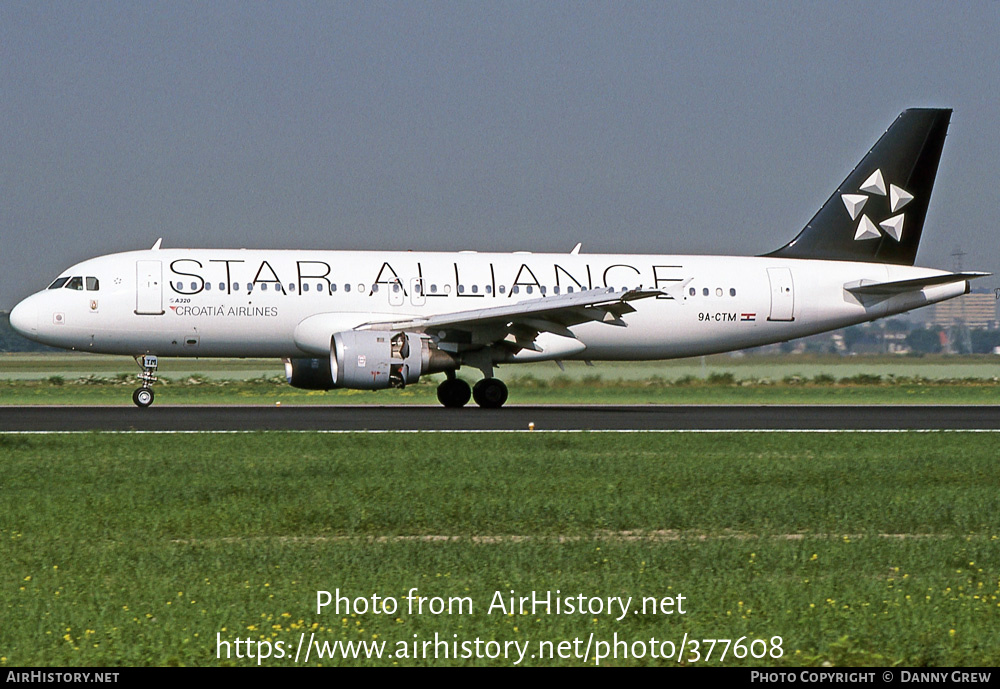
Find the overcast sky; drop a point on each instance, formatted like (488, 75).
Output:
(703, 127)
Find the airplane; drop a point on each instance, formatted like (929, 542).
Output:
(373, 320)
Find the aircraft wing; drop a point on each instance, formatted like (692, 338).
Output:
(524, 320)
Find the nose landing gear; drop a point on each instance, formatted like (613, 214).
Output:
(143, 396)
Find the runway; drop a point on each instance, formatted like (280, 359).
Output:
(513, 418)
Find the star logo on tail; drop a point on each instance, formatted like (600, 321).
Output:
(875, 186)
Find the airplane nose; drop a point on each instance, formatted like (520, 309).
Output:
(24, 318)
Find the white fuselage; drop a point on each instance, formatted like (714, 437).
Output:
(243, 303)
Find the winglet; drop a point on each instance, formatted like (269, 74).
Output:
(156, 246)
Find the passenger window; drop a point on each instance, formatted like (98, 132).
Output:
(93, 285)
(263, 287)
(208, 286)
(529, 289)
(704, 292)
(489, 289)
(692, 291)
(555, 290)
(732, 291)
(75, 283)
(333, 287)
(58, 283)
(236, 287)
(475, 289)
(305, 287)
(516, 289)
(718, 291)
(347, 287)
(434, 289)
(374, 288)
(503, 289)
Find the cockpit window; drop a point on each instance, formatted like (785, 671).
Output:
(93, 284)
(58, 283)
(75, 283)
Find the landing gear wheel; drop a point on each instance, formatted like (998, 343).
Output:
(454, 393)
(490, 393)
(143, 397)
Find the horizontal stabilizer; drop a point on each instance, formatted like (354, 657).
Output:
(872, 288)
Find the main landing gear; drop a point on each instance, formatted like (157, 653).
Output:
(143, 397)
(489, 393)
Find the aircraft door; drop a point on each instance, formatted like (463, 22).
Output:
(417, 296)
(149, 288)
(396, 293)
(782, 294)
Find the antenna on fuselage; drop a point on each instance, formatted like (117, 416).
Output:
(156, 246)
(576, 249)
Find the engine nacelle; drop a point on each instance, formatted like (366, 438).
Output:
(373, 360)
(370, 360)
(309, 374)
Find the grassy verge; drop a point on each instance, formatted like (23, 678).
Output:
(716, 389)
(746, 368)
(89, 379)
(853, 549)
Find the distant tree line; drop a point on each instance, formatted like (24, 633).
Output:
(921, 340)
(10, 341)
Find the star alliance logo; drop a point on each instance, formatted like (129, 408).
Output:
(875, 185)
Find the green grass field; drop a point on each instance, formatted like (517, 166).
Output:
(88, 379)
(522, 391)
(854, 549)
(741, 368)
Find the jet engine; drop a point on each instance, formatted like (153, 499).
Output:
(370, 360)
(308, 374)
